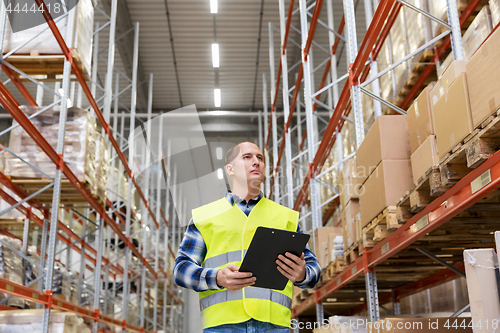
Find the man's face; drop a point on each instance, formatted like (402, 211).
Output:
(248, 166)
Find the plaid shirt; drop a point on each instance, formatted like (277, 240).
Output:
(188, 272)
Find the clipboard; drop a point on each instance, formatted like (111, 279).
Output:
(266, 245)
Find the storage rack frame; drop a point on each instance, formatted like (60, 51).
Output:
(362, 62)
(103, 269)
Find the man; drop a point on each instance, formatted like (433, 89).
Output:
(214, 244)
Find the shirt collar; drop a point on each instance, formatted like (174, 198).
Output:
(234, 199)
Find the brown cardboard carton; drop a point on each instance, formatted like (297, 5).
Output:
(482, 287)
(420, 123)
(322, 254)
(349, 215)
(452, 116)
(425, 157)
(449, 76)
(321, 235)
(349, 182)
(482, 76)
(384, 187)
(387, 139)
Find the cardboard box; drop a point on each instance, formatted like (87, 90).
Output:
(480, 268)
(482, 76)
(322, 254)
(425, 157)
(452, 116)
(349, 182)
(387, 139)
(321, 235)
(349, 215)
(420, 123)
(384, 187)
(453, 71)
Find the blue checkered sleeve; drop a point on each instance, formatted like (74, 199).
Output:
(313, 269)
(188, 272)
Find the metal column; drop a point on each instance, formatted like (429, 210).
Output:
(286, 109)
(130, 162)
(311, 142)
(274, 120)
(58, 174)
(266, 134)
(108, 89)
(456, 31)
(372, 295)
(352, 51)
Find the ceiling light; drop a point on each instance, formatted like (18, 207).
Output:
(218, 151)
(217, 98)
(213, 6)
(215, 55)
(219, 173)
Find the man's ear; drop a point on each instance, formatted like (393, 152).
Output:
(229, 169)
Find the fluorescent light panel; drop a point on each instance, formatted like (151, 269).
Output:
(219, 173)
(218, 151)
(213, 6)
(215, 55)
(217, 98)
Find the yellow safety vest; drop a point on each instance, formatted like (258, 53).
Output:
(227, 233)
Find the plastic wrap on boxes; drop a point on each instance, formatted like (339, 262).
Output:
(117, 185)
(46, 42)
(61, 285)
(437, 8)
(495, 12)
(31, 272)
(11, 268)
(80, 148)
(399, 51)
(101, 168)
(477, 32)
(385, 81)
(417, 25)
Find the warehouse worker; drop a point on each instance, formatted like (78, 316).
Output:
(210, 253)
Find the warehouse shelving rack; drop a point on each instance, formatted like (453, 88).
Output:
(399, 244)
(108, 218)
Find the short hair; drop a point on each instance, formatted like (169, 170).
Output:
(234, 151)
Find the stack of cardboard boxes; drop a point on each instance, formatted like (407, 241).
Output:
(324, 242)
(383, 166)
(349, 201)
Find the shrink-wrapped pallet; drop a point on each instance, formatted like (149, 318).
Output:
(495, 12)
(81, 150)
(16, 321)
(117, 185)
(11, 268)
(477, 32)
(46, 44)
(399, 51)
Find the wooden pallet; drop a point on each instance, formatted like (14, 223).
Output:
(426, 56)
(335, 267)
(417, 198)
(44, 64)
(471, 152)
(352, 253)
(69, 194)
(381, 226)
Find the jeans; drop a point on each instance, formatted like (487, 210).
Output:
(250, 326)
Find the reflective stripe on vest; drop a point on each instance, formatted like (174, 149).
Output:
(223, 259)
(250, 292)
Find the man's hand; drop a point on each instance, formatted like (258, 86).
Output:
(232, 280)
(291, 266)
